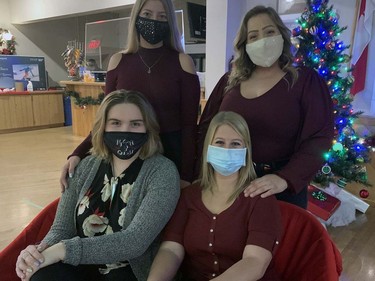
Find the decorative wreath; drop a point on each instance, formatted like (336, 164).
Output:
(7, 42)
(85, 101)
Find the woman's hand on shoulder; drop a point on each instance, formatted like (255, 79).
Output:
(68, 169)
(187, 63)
(266, 186)
(114, 61)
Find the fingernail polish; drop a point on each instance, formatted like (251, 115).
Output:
(70, 175)
(29, 270)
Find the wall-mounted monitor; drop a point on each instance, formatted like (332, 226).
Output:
(193, 20)
(21, 69)
(197, 21)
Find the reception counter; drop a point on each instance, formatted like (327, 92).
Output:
(23, 111)
(83, 118)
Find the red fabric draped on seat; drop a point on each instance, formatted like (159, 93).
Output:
(306, 252)
(33, 233)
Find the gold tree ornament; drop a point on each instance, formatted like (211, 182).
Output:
(7, 42)
(73, 58)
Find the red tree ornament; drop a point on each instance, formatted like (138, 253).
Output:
(364, 193)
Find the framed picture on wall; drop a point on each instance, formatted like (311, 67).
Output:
(285, 7)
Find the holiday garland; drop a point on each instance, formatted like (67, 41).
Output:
(7, 46)
(85, 101)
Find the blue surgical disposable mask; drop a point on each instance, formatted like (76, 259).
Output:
(226, 161)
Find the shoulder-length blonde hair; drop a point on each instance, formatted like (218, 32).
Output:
(152, 145)
(174, 40)
(246, 173)
(243, 67)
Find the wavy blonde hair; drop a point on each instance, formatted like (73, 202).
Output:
(153, 144)
(174, 40)
(246, 173)
(243, 67)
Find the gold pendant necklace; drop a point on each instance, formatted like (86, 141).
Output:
(149, 66)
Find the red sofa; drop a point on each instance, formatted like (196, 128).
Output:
(33, 233)
(306, 251)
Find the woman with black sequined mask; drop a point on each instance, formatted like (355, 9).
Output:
(154, 63)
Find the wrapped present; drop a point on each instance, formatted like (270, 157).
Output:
(320, 203)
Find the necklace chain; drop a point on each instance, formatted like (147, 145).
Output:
(150, 66)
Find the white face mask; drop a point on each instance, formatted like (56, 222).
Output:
(264, 52)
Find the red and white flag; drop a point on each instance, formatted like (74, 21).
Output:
(362, 38)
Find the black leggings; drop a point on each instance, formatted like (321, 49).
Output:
(66, 272)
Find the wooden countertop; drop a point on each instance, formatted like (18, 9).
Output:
(100, 84)
(14, 93)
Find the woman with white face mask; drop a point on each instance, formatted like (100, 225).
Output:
(216, 233)
(288, 110)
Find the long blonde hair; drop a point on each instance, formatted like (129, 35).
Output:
(243, 67)
(174, 40)
(153, 144)
(246, 173)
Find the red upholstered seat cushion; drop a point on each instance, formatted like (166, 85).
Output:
(33, 233)
(306, 252)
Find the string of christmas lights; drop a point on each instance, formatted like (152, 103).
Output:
(316, 45)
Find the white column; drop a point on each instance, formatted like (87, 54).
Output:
(223, 20)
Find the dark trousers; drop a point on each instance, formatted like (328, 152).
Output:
(172, 147)
(66, 272)
(299, 199)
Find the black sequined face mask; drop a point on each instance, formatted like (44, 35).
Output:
(153, 31)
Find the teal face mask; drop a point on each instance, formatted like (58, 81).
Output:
(226, 161)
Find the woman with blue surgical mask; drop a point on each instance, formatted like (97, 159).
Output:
(288, 110)
(216, 233)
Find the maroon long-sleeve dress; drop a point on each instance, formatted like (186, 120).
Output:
(214, 242)
(290, 127)
(174, 95)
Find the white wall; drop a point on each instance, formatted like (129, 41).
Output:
(5, 15)
(48, 38)
(364, 101)
(38, 10)
(223, 20)
(24, 46)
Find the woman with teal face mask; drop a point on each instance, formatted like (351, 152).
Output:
(288, 110)
(216, 233)
(154, 63)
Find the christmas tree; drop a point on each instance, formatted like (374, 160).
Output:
(317, 46)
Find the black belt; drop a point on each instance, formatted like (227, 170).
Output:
(262, 169)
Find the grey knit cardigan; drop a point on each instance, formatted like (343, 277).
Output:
(154, 197)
